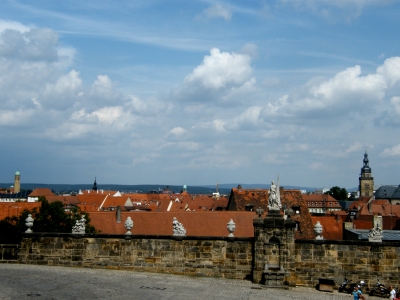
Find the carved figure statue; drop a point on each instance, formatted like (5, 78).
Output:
(274, 201)
(79, 227)
(375, 234)
(318, 231)
(231, 226)
(177, 228)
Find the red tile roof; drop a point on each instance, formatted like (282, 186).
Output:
(160, 223)
(332, 228)
(15, 208)
(66, 200)
(41, 192)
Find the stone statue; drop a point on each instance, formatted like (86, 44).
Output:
(128, 225)
(375, 234)
(231, 226)
(177, 228)
(79, 227)
(318, 231)
(274, 201)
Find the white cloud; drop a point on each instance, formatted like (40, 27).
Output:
(221, 69)
(177, 131)
(347, 83)
(218, 11)
(390, 70)
(8, 24)
(356, 147)
(249, 119)
(395, 101)
(103, 82)
(250, 49)
(347, 9)
(37, 44)
(347, 92)
(394, 151)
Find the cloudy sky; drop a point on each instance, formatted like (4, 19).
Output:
(199, 92)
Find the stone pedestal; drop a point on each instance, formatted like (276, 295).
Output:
(273, 250)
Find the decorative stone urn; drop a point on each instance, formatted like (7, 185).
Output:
(259, 212)
(318, 231)
(128, 225)
(29, 223)
(231, 226)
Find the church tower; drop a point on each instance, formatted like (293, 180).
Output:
(17, 182)
(366, 181)
(94, 188)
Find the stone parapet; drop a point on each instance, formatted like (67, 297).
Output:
(355, 260)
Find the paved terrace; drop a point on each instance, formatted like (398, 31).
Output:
(47, 282)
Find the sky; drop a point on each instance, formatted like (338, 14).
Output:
(199, 92)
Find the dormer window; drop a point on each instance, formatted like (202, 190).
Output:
(249, 207)
(296, 209)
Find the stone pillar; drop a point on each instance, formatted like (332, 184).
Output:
(273, 257)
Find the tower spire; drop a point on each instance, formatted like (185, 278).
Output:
(94, 185)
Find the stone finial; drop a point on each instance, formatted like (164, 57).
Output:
(231, 226)
(79, 227)
(259, 212)
(128, 225)
(318, 231)
(375, 234)
(177, 228)
(29, 223)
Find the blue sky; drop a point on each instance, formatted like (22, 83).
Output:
(199, 92)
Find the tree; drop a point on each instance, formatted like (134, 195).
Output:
(338, 193)
(51, 217)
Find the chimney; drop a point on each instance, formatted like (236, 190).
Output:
(118, 214)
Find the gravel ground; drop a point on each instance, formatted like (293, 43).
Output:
(51, 282)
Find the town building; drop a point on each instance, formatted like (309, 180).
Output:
(321, 203)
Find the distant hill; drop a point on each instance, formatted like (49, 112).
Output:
(224, 188)
(260, 186)
(141, 188)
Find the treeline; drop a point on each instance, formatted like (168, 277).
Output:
(51, 217)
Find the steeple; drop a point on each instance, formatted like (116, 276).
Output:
(366, 168)
(94, 188)
(366, 181)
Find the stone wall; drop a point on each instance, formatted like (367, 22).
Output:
(303, 263)
(355, 260)
(8, 253)
(204, 256)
